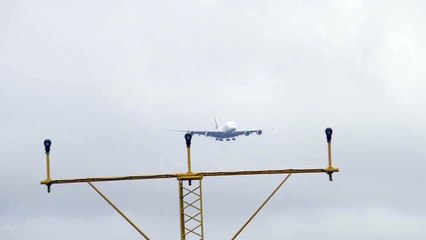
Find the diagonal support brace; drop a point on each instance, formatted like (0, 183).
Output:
(260, 208)
(118, 210)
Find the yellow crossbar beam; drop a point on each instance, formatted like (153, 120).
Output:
(184, 175)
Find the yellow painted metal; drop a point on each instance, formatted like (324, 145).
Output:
(201, 206)
(181, 211)
(48, 180)
(261, 206)
(118, 210)
(189, 176)
(188, 153)
(191, 209)
(330, 163)
(267, 172)
(186, 175)
(331, 170)
(48, 167)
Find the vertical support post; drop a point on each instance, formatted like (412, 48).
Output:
(328, 133)
(188, 153)
(188, 137)
(181, 211)
(201, 212)
(191, 208)
(47, 144)
(48, 171)
(330, 162)
(48, 166)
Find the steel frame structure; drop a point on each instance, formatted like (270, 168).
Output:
(190, 195)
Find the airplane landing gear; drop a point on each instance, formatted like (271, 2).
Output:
(228, 139)
(233, 139)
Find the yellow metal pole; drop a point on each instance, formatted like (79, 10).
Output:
(181, 211)
(263, 204)
(329, 133)
(330, 163)
(48, 167)
(48, 179)
(118, 210)
(201, 210)
(188, 151)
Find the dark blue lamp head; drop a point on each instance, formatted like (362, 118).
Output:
(328, 132)
(47, 144)
(188, 138)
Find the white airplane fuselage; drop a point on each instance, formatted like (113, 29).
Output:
(229, 127)
(227, 131)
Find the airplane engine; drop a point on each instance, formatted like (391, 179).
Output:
(259, 132)
(246, 133)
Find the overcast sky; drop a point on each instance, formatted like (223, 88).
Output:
(105, 80)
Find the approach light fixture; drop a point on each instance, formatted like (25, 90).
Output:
(47, 144)
(328, 132)
(188, 138)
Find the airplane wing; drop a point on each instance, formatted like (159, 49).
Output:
(212, 133)
(248, 132)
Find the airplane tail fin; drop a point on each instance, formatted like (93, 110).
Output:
(217, 122)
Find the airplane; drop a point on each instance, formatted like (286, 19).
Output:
(228, 131)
